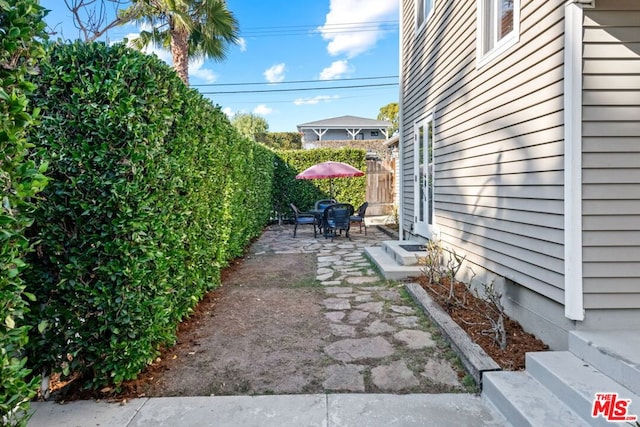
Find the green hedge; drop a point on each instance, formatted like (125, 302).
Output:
(280, 140)
(20, 179)
(152, 193)
(303, 193)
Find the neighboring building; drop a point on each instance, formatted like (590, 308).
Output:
(344, 128)
(520, 149)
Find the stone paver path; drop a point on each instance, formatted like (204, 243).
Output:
(380, 340)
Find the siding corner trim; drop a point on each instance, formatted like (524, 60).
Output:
(573, 289)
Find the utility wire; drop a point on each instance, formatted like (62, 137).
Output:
(364, 29)
(298, 89)
(296, 30)
(342, 24)
(254, 101)
(295, 81)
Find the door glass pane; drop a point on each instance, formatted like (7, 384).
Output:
(421, 172)
(429, 190)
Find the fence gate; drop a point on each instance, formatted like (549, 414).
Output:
(380, 186)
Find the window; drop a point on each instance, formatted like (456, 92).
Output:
(423, 177)
(498, 27)
(423, 11)
(374, 133)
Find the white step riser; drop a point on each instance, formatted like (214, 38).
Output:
(492, 393)
(388, 267)
(575, 383)
(526, 402)
(400, 255)
(615, 366)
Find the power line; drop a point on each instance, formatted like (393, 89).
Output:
(298, 89)
(342, 24)
(295, 81)
(297, 30)
(322, 30)
(254, 101)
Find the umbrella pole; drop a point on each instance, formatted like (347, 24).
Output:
(331, 188)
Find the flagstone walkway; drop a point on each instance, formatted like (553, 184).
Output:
(380, 340)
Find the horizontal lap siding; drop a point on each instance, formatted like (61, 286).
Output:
(454, 37)
(611, 156)
(498, 140)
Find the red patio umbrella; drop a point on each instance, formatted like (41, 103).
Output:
(329, 170)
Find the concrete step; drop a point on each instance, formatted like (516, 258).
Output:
(388, 266)
(615, 353)
(400, 254)
(525, 402)
(576, 383)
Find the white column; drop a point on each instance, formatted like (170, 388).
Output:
(573, 292)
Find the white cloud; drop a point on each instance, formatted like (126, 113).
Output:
(229, 112)
(315, 100)
(336, 70)
(196, 70)
(262, 110)
(347, 20)
(275, 74)
(161, 53)
(242, 42)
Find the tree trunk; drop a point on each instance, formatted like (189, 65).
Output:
(180, 53)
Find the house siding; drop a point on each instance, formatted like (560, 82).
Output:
(498, 140)
(310, 136)
(611, 155)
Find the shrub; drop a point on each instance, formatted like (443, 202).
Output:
(20, 178)
(281, 140)
(152, 193)
(303, 193)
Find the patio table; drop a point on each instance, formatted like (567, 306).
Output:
(318, 214)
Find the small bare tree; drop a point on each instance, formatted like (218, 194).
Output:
(432, 261)
(454, 263)
(495, 314)
(93, 18)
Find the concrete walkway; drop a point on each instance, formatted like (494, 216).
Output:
(380, 343)
(316, 410)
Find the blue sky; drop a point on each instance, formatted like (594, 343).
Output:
(324, 43)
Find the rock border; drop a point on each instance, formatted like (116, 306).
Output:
(473, 357)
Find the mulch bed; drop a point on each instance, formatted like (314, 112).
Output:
(467, 310)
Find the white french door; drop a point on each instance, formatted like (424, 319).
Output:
(423, 177)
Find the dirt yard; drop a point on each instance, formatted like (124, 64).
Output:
(271, 326)
(261, 332)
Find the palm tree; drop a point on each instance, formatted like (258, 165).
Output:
(190, 28)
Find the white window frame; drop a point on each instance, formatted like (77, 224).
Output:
(427, 227)
(421, 21)
(500, 46)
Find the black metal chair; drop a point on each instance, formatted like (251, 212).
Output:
(301, 218)
(318, 209)
(359, 217)
(321, 204)
(335, 219)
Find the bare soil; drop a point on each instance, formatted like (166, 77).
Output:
(468, 311)
(263, 332)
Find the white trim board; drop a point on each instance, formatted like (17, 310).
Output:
(573, 292)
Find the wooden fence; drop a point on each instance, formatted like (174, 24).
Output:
(380, 186)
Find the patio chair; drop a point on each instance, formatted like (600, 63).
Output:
(359, 217)
(301, 218)
(335, 219)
